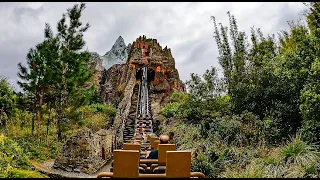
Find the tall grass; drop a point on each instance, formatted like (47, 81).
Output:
(218, 156)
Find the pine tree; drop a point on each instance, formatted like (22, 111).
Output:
(32, 77)
(57, 71)
(73, 65)
(36, 78)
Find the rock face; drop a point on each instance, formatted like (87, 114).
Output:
(114, 84)
(96, 66)
(163, 77)
(85, 152)
(117, 55)
(120, 80)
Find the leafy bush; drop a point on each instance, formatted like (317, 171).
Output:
(12, 155)
(301, 153)
(14, 162)
(39, 150)
(201, 164)
(238, 130)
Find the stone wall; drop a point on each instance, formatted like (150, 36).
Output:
(123, 109)
(85, 151)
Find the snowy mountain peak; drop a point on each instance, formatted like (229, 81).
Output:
(118, 54)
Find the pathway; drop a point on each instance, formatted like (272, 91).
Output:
(46, 168)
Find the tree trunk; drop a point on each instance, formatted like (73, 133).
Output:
(63, 98)
(49, 118)
(40, 108)
(59, 118)
(34, 113)
(21, 120)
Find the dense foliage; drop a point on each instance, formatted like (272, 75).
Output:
(261, 119)
(59, 96)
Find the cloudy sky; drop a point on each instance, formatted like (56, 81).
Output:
(185, 27)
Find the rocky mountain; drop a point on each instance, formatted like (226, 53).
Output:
(118, 54)
(101, 65)
(121, 82)
(121, 74)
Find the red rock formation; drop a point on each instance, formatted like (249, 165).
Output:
(148, 52)
(144, 52)
(118, 82)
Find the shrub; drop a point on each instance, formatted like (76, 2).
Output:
(299, 152)
(12, 155)
(237, 130)
(201, 164)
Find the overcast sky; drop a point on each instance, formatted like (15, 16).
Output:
(185, 27)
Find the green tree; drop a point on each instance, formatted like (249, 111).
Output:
(8, 100)
(57, 69)
(310, 107)
(72, 74)
(310, 94)
(36, 78)
(313, 17)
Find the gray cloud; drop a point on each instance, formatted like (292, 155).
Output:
(184, 27)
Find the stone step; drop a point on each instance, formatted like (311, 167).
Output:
(127, 131)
